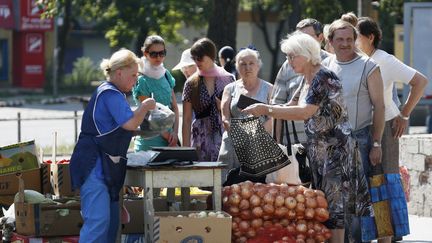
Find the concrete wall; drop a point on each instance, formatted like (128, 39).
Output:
(416, 154)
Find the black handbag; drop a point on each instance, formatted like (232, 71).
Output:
(305, 172)
(257, 151)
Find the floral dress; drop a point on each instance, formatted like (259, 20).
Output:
(206, 129)
(333, 156)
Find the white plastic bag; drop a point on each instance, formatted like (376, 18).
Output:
(288, 174)
(158, 120)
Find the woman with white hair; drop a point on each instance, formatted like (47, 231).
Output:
(248, 64)
(330, 148)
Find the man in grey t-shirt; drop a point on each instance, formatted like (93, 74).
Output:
(363, 94)
(287, 81)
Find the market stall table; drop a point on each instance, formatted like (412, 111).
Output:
(201, 174)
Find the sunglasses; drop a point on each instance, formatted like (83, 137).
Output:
(197, 58)
(155, 54)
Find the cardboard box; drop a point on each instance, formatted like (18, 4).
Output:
(16, 238)
(46, 179)
(6, 200)
(18, 157)
(9, 183)
(61, 180)
(132, 238)
(135, 207)
(46, 219)
(167, 227)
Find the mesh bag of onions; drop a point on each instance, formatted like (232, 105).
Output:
(276, 213)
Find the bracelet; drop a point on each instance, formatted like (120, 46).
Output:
(406, 118)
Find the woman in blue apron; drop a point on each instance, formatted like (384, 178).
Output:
(98, 163)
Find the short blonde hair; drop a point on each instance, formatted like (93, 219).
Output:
(248, 52)
(119, 59)
(338, 25)
(302, 44)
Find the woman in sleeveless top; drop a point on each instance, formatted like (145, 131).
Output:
(248, 64)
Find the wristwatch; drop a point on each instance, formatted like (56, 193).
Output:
(376, 144)
(270, 109)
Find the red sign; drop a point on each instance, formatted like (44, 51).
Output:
(6, 16)
(29, 59)
(30, 17)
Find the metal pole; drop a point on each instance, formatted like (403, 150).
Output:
(359, 8)
(19, 126)
(76, 125)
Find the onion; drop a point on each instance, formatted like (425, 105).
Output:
(237, 219)
(300, 198)
(225, 201)
(321, 202)
(319, 193)
(244, 204)
(267, 223)
(245, 214)
(234, 226)
(279, 201)
(311, 233)
(291, 191)
(254, 200)
(234, 199)
(290, 202)
(242, 239)
(257, 212)
(309, 193)
(268, 209)
(291, 214)
(283, 189)
(256, 223)
(273, 191)
(311, 202)
(269, 199)
(247, 184)
(260, 191)
(291, 229)
(284, 222)
(309, 213)
(233, 210)
(321, 214)
(280, 212)
(300, 189)
(300, 207)
(320, 238)
(226, 191)
(251, 233)
(301, 226)
(310, 240)
(235, 188)
(246, 193)
(244, 226)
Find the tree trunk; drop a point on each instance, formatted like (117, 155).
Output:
(62, 39)
(142, 35)
(222, 28)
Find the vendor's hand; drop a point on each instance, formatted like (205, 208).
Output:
(399, 125)
(256, 109)
(149, 103)
(172, 139)
(375, 155)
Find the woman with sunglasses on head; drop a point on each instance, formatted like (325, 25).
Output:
(202, 93)
(156, 82)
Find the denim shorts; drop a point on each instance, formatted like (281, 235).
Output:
(363, 137)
